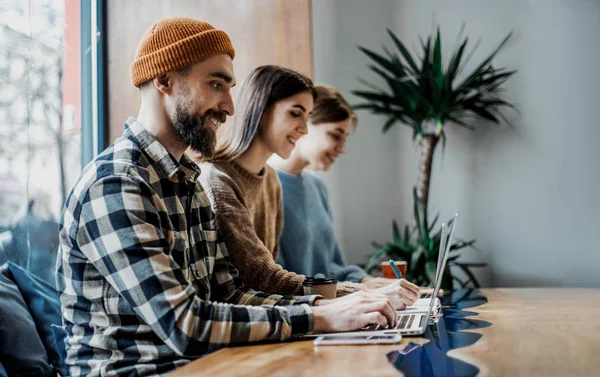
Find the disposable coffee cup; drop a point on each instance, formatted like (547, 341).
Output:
(320, 286)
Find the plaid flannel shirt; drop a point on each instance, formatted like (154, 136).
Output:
(144, 279)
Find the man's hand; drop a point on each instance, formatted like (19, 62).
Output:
(353, 312)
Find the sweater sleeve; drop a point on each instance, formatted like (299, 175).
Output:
(341, 272)
(254, 261)
(278, 223)
(338, 267)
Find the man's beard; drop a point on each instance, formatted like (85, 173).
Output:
(196, 130)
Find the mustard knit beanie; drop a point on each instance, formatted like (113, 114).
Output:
(174, 43)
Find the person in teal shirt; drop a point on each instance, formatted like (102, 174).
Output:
(308, 245)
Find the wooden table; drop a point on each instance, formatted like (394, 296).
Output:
(534, 332)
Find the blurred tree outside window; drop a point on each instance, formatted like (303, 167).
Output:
(40, 137)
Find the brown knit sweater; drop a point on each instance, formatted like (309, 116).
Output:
(249, 210)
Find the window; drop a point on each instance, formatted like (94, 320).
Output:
(40, 126)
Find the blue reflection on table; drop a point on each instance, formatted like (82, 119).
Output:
(431, 359)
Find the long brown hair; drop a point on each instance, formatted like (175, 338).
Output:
(264, 86)
(331, 107)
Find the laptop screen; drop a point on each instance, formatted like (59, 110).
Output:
(445, 243)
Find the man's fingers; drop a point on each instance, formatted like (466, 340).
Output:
(390, 313)
(385, 308)
(374, 317)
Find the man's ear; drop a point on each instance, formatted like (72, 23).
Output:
(164, 83)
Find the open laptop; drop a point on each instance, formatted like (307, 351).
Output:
(445, 243)
(413, 322)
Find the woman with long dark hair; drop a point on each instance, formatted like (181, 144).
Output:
(273, 107)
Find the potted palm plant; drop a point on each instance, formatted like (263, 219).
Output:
(427, 96)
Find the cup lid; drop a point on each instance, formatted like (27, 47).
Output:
(310, 281)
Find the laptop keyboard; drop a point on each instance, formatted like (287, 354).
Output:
(426, 295)
(404, 322)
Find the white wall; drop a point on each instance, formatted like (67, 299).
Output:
(529, 194)
(363, 186)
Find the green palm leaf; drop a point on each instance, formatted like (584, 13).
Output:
(418, 90)
(382, 61)
(388, 124)
(404, 51)
(421, 90)
(455, 61)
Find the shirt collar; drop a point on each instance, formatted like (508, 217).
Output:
(159, 155)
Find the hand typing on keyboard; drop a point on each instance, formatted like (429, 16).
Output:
(373, 326)
(403, 322)
(353, 312)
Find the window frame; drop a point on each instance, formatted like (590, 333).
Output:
(93, 79)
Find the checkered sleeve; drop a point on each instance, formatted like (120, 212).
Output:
(119, 232)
